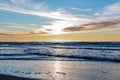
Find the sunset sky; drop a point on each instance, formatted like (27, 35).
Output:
(59, 20)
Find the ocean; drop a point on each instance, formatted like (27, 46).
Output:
(64, 51)
(61, 60)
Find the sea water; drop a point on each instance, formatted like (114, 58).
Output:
(61, 60)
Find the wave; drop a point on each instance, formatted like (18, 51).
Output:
(60, 52)
(92, 48)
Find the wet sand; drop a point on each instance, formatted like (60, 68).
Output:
(8, 77)
(59, 70)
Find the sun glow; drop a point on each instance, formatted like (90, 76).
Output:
(57, 40)
(57, 31)
(57, 27)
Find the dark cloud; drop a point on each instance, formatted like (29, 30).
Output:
(23, 34)
(40, 31)
(94, 25)
(4, 34)
(34, 33)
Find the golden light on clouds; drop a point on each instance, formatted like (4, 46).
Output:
(111, 35)
(57, 31)
(33, 20)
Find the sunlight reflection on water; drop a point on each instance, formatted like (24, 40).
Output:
(57, 66)
(58, 70)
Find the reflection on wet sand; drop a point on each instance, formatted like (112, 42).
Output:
(62, 70)
(59, 74)
(57, 66)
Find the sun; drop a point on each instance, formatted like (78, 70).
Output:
(56, 31)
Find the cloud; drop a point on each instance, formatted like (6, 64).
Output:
(34, 8)
(31, 33)
(24, 27)
(101, 25)
(3, 34)
(55, 27)
(79, 9)
(14, 28)
(18, 32)
(60, 18)
(110, 10)
(61, 21)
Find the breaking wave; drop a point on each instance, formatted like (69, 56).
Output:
(60, 52)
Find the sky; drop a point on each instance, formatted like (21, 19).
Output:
(59, 20)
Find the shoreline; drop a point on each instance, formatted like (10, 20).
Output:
(10, 77)
(59, 70)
